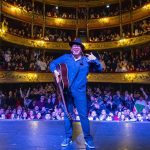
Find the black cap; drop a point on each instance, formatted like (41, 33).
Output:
(77, 41)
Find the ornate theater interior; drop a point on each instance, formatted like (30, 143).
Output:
(33, 33)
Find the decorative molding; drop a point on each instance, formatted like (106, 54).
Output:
(17, 77)
(138, 77)
(65, 46)
(79, 3)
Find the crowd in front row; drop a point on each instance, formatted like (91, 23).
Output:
(104, 103)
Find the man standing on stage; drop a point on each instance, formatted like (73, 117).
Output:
(78, 69)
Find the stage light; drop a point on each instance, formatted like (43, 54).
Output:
(107, 6)
(56, 7)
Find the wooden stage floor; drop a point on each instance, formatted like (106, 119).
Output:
(48, 135)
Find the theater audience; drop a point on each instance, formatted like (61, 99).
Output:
(22, 29)
(28, 59)
(104, 104)
(82, 13)
(41, 102)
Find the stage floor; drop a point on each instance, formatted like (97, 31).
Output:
(47, 135)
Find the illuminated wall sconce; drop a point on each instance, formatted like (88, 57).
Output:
(40, 43)
(59, 21)
(15, 9)
(123, 41)
(86, 45)
(146, 7)
(2, 32)
(104, 20)
(37, 43)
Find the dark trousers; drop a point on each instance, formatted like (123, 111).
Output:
(79, 100)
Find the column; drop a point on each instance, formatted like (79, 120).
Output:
(44, 19)
(120, 17)
(32, 24)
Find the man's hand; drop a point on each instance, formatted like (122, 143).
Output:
(57, 76)
(90, 56)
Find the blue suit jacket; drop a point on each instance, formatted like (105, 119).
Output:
(77, 70)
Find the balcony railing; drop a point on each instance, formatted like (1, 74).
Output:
(65, 46)
(16, 77)
(114, 21)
